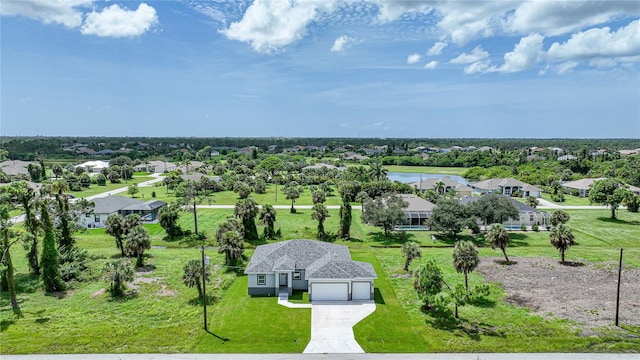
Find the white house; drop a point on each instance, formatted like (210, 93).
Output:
(506, 186)
(94, 166)
(122, 205)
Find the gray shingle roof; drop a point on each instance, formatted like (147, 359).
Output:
(111, 204)
(149, 205)
(319, 259)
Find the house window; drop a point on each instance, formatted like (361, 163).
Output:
(531, 217)
(262, 279)
(97, 218)
(296, 275)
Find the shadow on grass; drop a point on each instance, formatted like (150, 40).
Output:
(444, 319)
(572, 263)
(123, 298)
(451, 240)
(518, 239)
(297, 295)
(377, 297)
(224, 339)
(26, 283)
(5, 324)
(211, 299)
(618, 221)
(394, 238)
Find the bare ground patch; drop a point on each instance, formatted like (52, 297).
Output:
(584, 293)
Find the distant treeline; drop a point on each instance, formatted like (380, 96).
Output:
(30, 148)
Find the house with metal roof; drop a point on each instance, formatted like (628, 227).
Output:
(506, 186)
(121, 205)
(323, 269)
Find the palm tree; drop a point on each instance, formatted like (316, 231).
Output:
(118, 272)
(532, 201)
(320, 213)
(267, 217)
(376, 171)
(561, 238)
(465, 259)
(230, 240)
(247, 210)
(411, 250)
(499, 238)
(192, 275)
(136, 242)
(292, 192)
(114, 226)
(7, 235)
(439, 187)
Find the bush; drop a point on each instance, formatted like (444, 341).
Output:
(523, 228)
(534, 227)
(153, 194)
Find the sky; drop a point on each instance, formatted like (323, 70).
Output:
(326, 68)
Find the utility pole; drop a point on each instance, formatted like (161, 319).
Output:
(618, 294)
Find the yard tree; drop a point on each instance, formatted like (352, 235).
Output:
(172, 179)
(532, 201)
(320, 213)
(101, 180)
(133, 190)
(57, 170)
(292, 192)
(562, 239)
(49, 264)
(411, 250)
(465, 259)
(318, 196)
(230, 241)
(494, 209)
(247, 210)
(272, 164)
(498, 238)
(64, 225)
(136, 241)
(114, 226)
(242, 189)
(631, 201)
(168, 219)
(192, 275)
(191, 194)
(8, 239)
(448, 216)
(428, 282)
(377, 171)
(267, 217)
(23, 195)
(608, 192)
(345, 218)
(117, 273)
(559, 217)
(384, 212)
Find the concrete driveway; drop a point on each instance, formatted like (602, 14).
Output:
(332, 326)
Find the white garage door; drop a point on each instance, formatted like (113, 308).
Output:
(323, 292)
(361, 291)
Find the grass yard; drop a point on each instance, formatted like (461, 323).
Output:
(426, 169)
(569, 200)
(165, 316)
(95, 189)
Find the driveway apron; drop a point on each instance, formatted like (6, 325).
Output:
(332, 326)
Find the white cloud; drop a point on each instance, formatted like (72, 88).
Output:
(431, 65)
(560, 17)
(114, 21)
(476, 54)
(65, 12)
(599, 42)
(524, 56)
(270, 25)
(566, 67)
(464, 21)
(437, 48)
(343, 43)
(390, 10)
(413, 58)
(479, 67)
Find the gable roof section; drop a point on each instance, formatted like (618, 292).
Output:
(321, 260)
(148, 206)
(497, 184)
(582, 184)
(111, 204)
(416, 203)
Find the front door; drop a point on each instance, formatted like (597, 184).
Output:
(283, 279)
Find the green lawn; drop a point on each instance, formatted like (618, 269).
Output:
(569, 200)
(95, 189)
(165, 316)
(426, 169)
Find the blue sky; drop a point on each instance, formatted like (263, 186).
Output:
(376, 68)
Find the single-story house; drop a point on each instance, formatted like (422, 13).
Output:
(121, 205)
(16, 167)
(416, 212)
(528, 216)
(156, 166)
(566, 157)
(462, 190)
(319, 166)
(582, 186)
(198, 176)
(94, 166)
(506, 186)
(324, 269)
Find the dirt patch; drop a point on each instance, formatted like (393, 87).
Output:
(164, 291)
(98, 293)
(584, 293)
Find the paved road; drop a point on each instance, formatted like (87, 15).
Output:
(468, 356)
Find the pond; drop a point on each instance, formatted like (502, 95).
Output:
(413, 177)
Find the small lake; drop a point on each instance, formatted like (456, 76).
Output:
(404, 177)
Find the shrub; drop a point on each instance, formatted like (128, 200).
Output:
(523, 228)
(153, 194)
(534, 227)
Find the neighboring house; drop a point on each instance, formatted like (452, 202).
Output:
(324, 269)
(15, 167)
(198, 176)
(416, 212)
(156, 166)
(506, 186)
(582, 186)
(356, 157)
(462, 190)
(95, 166)
(320, 166)
(191, 166)
(628, 152)
(567, 157)
(528, 216)
(121, 205)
